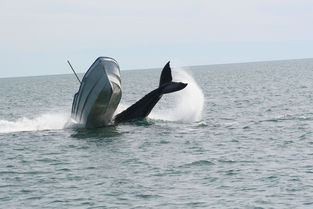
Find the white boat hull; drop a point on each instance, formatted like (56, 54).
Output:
(99, 94)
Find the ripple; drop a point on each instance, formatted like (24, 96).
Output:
(202, 124)
(147, 196)
(227, 161)
(198, 163)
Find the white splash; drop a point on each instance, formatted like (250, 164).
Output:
(187, 103)
(120, 108)
(48, 121)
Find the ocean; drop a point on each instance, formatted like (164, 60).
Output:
(238, 136)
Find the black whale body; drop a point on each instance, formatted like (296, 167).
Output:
(100, 93)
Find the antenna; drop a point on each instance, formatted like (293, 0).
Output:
(73, 71)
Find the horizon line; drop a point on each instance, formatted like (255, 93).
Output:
(154, 68)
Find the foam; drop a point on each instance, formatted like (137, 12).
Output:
(47, 121)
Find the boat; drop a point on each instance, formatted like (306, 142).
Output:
(99, 94)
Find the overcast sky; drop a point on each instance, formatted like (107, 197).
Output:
(38, 36)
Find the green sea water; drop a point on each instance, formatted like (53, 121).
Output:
(238, 136)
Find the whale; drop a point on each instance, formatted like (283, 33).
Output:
(142, 108)
(100, 92)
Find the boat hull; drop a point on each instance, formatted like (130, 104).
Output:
(99, 94)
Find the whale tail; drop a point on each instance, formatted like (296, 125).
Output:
(166, 84)
(143, 107)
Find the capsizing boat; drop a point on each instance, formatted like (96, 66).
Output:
(99, 94)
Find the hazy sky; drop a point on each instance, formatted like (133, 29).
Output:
(38, 36)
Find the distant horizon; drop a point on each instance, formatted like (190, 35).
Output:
(155, 68)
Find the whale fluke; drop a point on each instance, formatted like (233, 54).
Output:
(143, 107)
(166, 74)
(172, 87)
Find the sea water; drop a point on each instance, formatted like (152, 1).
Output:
(238, 136)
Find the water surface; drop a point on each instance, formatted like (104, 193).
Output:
(251, 146)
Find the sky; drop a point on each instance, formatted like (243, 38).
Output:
(38, 36)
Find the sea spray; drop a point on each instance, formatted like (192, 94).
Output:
(120, 108)
(48, 121)
(186, 105)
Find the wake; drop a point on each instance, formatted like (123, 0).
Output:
(48, 121)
